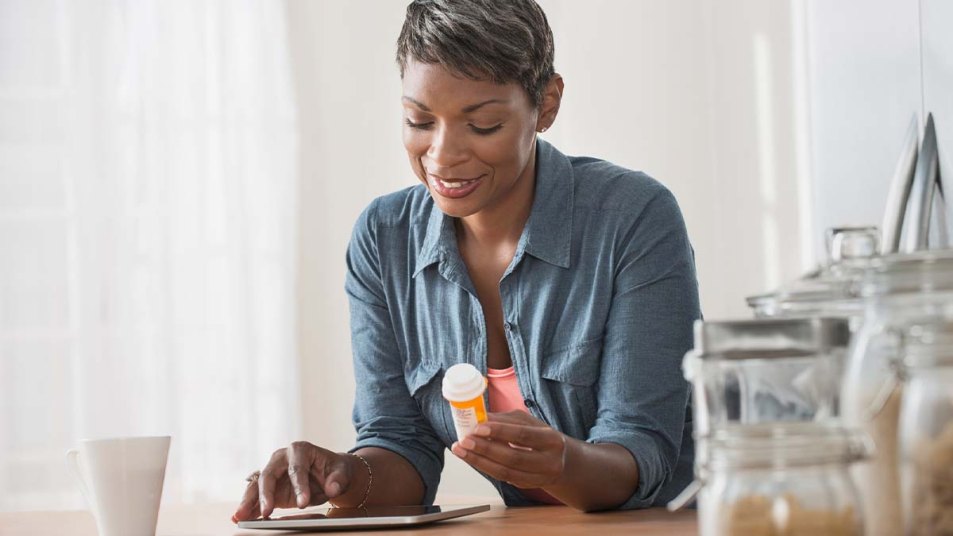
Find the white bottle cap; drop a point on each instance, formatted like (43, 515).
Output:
(463, 382)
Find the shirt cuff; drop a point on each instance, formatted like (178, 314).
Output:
(654, 470)
(427, 466)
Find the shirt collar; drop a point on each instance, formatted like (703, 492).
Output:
(548, 232)
(440, 233)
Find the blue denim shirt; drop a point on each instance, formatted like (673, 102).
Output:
(598, 303)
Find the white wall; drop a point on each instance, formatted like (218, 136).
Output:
(700, 97)
(874, 65)
(937, 53)
(864, 90)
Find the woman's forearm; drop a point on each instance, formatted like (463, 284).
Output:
(597, 476)
(395, 481)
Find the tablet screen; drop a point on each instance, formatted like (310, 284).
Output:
(370, 511)
(369, 517)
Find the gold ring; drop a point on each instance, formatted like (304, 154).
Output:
(253, 477)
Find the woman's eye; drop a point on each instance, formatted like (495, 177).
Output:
(477, 130)
(486, 131)
(420, 126)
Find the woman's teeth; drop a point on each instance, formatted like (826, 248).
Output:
(452, 185)
(455, 184)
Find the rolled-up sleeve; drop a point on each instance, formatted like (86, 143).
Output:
(385, 414)
(642, 397)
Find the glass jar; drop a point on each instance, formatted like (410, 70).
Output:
(899, 291)
(926, 430)
(759, 371)
(820, 295)
(831, 290)
(789, 479)
(762, 372)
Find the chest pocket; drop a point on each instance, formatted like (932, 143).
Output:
(570, 377)
(424, 382)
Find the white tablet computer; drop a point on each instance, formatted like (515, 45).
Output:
(372, 517)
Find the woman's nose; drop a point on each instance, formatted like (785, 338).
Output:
(447, 149)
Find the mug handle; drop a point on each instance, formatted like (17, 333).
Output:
(72, 462)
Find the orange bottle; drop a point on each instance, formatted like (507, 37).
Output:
(463, 387)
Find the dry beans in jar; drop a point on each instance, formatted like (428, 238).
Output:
(760, 515)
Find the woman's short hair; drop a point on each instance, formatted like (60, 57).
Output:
(499, 40)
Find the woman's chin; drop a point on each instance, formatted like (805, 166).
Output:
(455, 208)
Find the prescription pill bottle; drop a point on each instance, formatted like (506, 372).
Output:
(463, 387)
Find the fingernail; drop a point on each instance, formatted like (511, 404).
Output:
(334, 489)
(482, 430)
(467, 443)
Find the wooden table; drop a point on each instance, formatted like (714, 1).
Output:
(214, 520)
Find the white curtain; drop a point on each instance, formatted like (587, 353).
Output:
(147, 239)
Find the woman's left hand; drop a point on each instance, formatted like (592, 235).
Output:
(517, 448)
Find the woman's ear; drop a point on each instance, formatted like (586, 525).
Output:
(549, 107)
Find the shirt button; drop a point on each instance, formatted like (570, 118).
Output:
(507, 326)
(529, 403)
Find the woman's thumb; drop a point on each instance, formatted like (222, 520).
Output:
(336, 482)
(332, 487)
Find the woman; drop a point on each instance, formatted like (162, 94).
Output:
(570, 280)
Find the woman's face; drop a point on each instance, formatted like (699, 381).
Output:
(470, 142)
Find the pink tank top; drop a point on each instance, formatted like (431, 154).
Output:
(504, 395)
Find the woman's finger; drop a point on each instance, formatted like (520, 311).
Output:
(267, 482)
(329, 471)
(317, 494)
(284, 494)
(248, 503)
(534, 437)
(544, 462)
(335, 478)
(300, 456)
(513, 475)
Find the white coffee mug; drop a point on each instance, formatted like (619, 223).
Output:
(122, 481)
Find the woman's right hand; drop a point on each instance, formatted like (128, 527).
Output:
(300, 475)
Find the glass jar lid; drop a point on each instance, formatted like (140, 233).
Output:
(830, 289)
(764, 338)
(908, 273)
(795, 444)
(847, 243)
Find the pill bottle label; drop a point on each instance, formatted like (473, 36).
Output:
(467, 416)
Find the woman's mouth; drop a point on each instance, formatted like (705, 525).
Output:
(454, 188)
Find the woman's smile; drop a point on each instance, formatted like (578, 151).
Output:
(453, 188)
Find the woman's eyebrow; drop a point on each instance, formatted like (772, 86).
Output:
(419, 104)
(474, 107)
(466, 109)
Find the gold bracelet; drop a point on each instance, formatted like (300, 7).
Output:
(370, 479)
